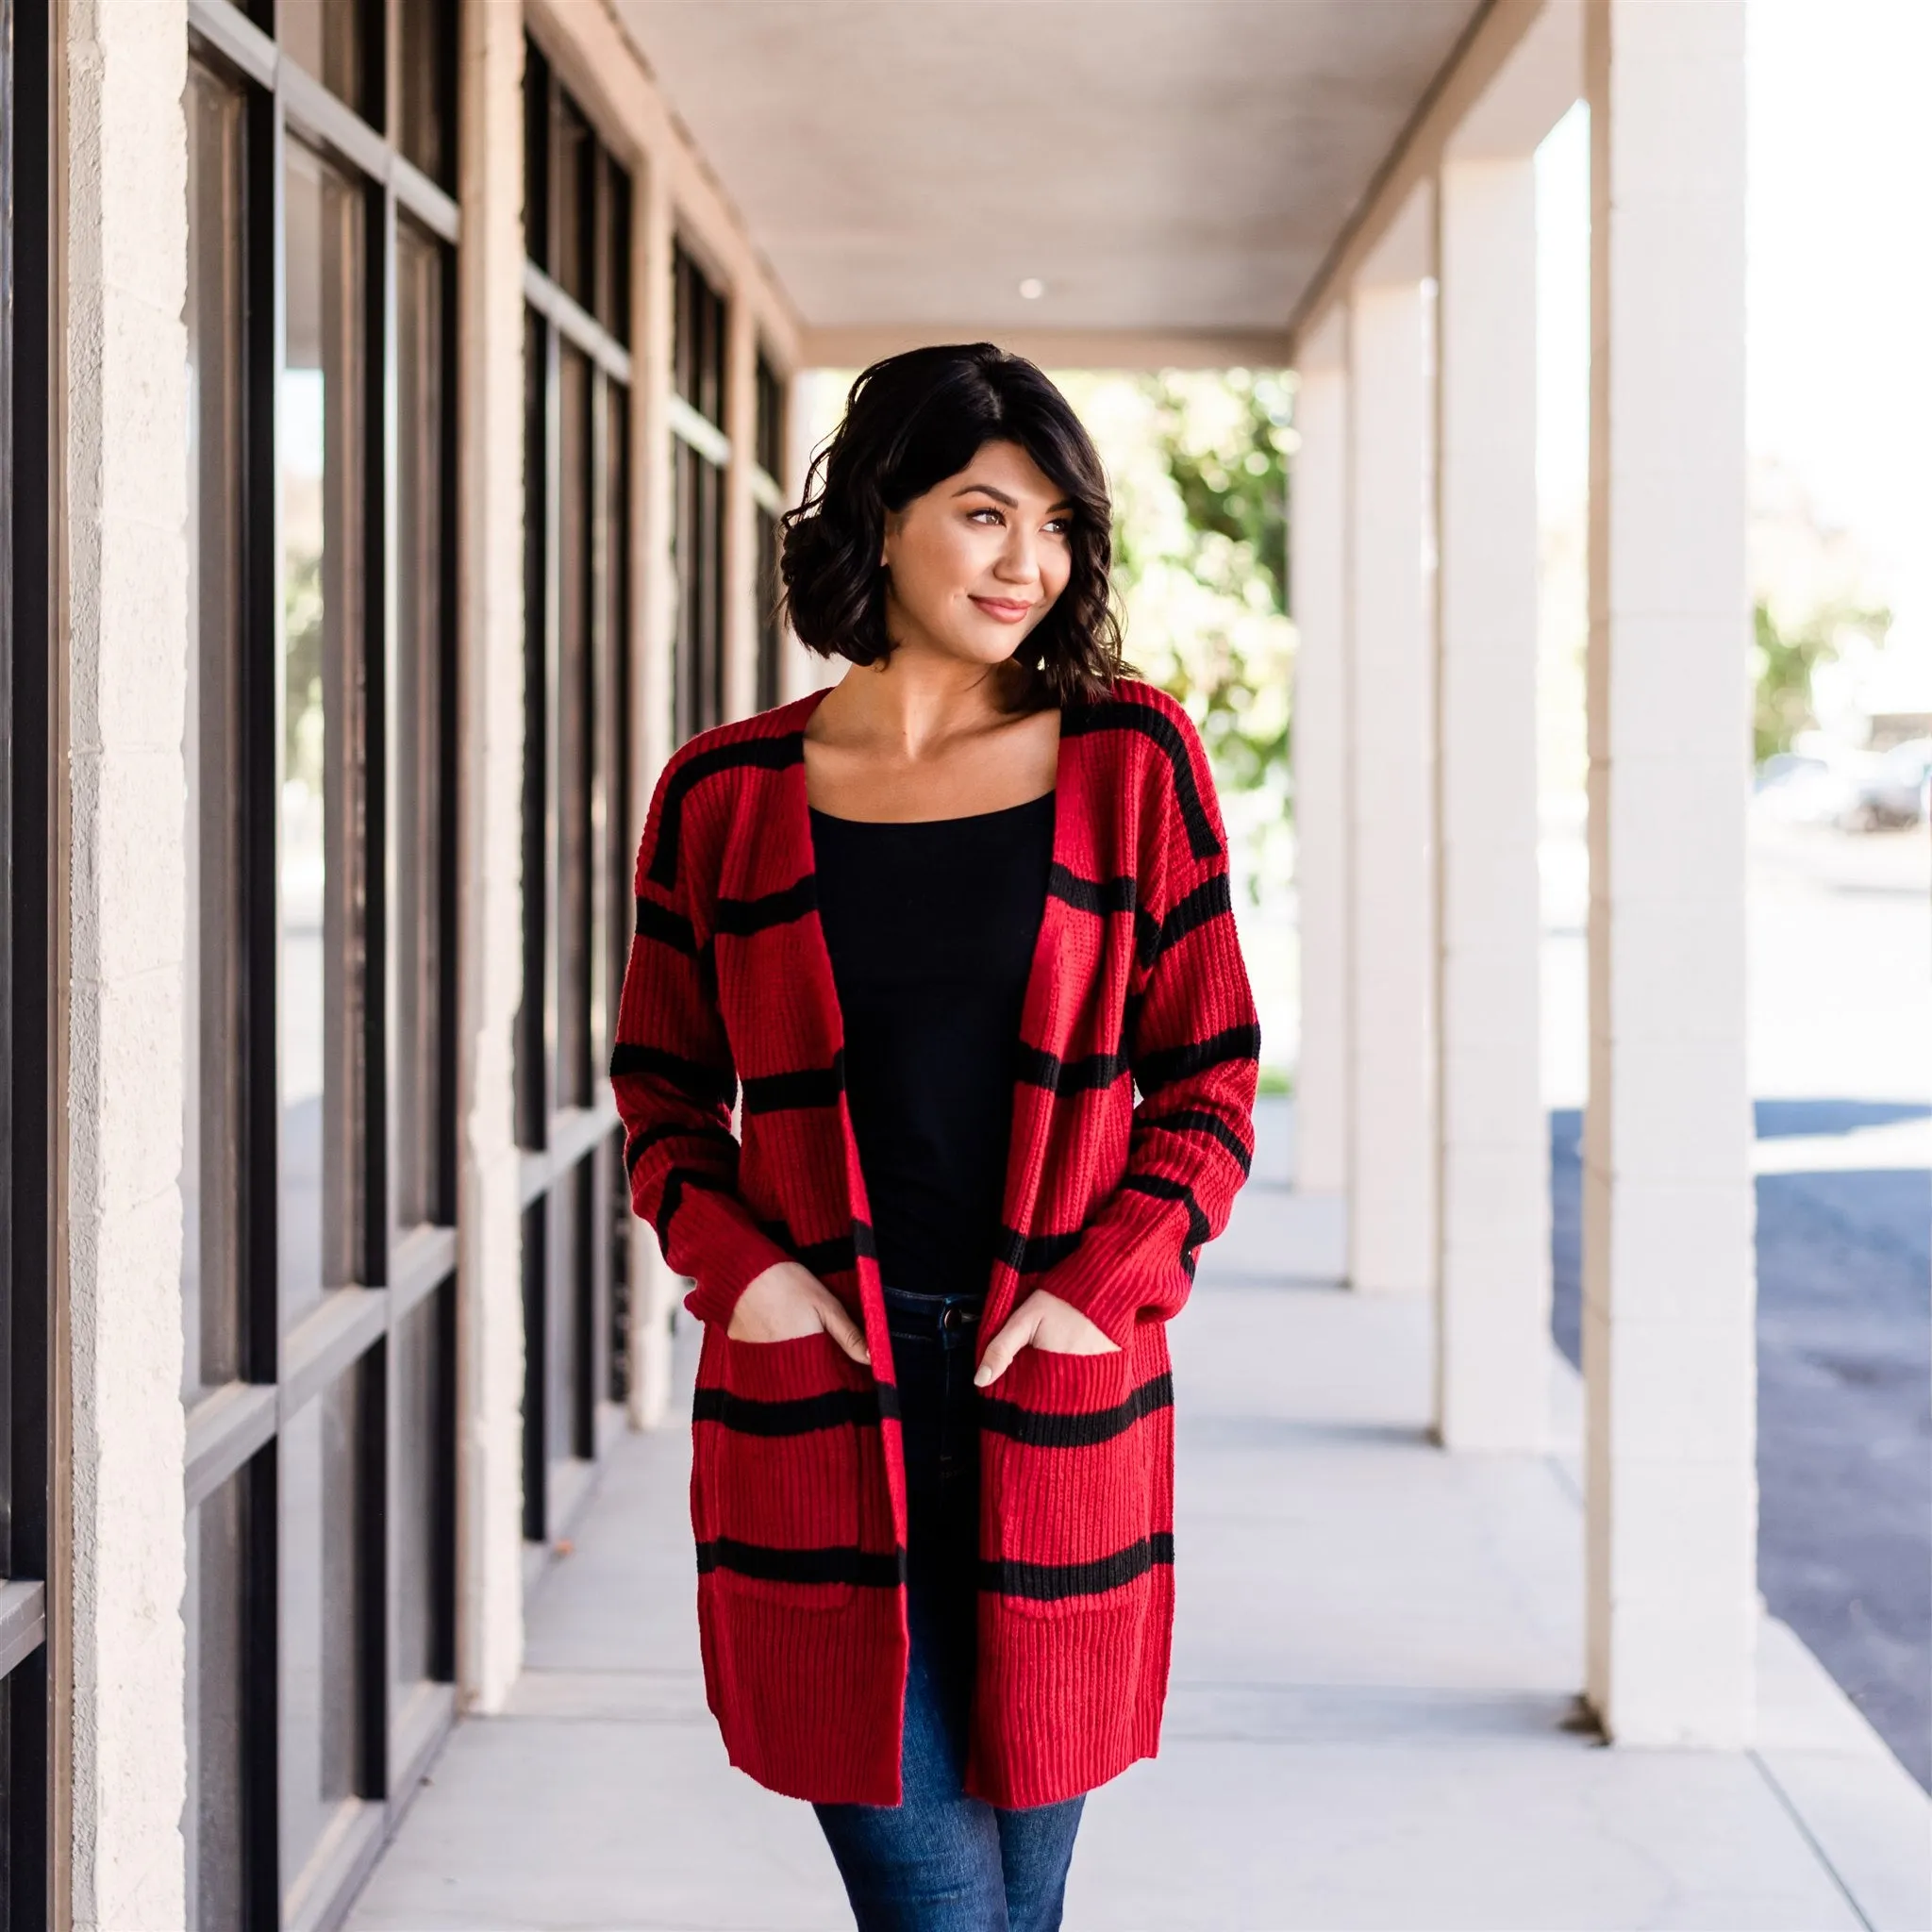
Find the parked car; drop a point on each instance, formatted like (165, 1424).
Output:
(1891, 791)
(1853, 791)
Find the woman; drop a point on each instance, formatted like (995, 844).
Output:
(940, 921)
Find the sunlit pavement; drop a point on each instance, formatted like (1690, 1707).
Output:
(1376, 1650)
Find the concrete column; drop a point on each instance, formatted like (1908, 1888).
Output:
(1492, 1333)
(741, 509)
(1668, 1279)
(1392, 705)
(1317, 571)
(490, 1629)
(656, 1292)
(125, 456)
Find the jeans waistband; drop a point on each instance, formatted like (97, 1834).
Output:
(920, 1314)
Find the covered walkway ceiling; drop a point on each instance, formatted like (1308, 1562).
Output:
(1175, 171)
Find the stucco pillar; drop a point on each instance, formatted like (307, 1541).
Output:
(1492, 1332)
(1668, 1280)
(490, 1629)
(1317, 571)
(125, 346)
(656, 1292)
(1391, 686)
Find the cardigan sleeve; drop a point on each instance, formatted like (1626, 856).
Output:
(1192, 1039)
(672, 1073)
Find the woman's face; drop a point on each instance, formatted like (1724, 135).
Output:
(978, 560)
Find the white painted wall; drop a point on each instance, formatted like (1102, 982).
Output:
(489, 1625)
(125, 348)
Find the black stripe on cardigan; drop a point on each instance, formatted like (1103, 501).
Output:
(1077, 1429)
(698, 1080)
(1122, 714)
(1164, 1188)
(802, 1415)
(1090, 1072)
(1030, 1254)
(1196, 1120)
(1055, 1582)
(740, 918)
(641, 1143)
(770, 754)
(842, 1564)
(801, 1086)
(1098, 896)
(1156, 1069)
(671, 1197)
(655, 922)
(1208, 901)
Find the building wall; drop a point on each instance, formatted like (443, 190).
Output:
(119, 1761)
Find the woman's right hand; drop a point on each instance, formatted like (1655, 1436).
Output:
(788, 1300)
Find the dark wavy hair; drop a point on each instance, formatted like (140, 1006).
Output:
(911, 421)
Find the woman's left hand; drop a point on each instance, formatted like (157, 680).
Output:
(1044, 1322)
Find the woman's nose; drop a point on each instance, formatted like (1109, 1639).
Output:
(1019, 559)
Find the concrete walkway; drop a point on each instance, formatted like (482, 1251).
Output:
(1376, 1653)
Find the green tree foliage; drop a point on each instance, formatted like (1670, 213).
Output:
(1787, 650)
(1224, 441)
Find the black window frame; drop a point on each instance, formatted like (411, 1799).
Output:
(26, 938)
(341, 1366)
(701, 463)
(768, 502)
(580, 470)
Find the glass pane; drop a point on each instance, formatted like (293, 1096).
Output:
(535, 1367)
(615, 831)
(536, 154)
(326, 1531)
(697, 352)
(217, 1643)
(421, 1359)
(211, 1172)
(771, 435)
(322, 879)
(617, 1223)
(326, 36)
(573, 200)
(769, 637)
(421, 907)
(575, 740)
(532, 1038)
(424, 89)
(613, 248)
(570, 1311)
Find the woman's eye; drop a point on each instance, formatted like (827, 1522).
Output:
(1061, 527)
(993, 515)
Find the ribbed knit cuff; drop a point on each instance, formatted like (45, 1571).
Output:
(733, 1256)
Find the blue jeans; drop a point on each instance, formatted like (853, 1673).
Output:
(940, 1860)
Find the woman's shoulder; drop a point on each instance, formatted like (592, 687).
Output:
(1156, 753)
(1150, 729)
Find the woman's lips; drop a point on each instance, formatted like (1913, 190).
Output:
(1004, 608)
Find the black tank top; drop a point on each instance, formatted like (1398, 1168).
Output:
(931, 927)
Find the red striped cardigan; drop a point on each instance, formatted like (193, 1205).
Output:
(797, 1490)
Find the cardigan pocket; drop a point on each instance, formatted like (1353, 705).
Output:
(1076, 1460)
(775, 1469)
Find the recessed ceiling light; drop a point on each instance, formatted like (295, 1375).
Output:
(1032, 288)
